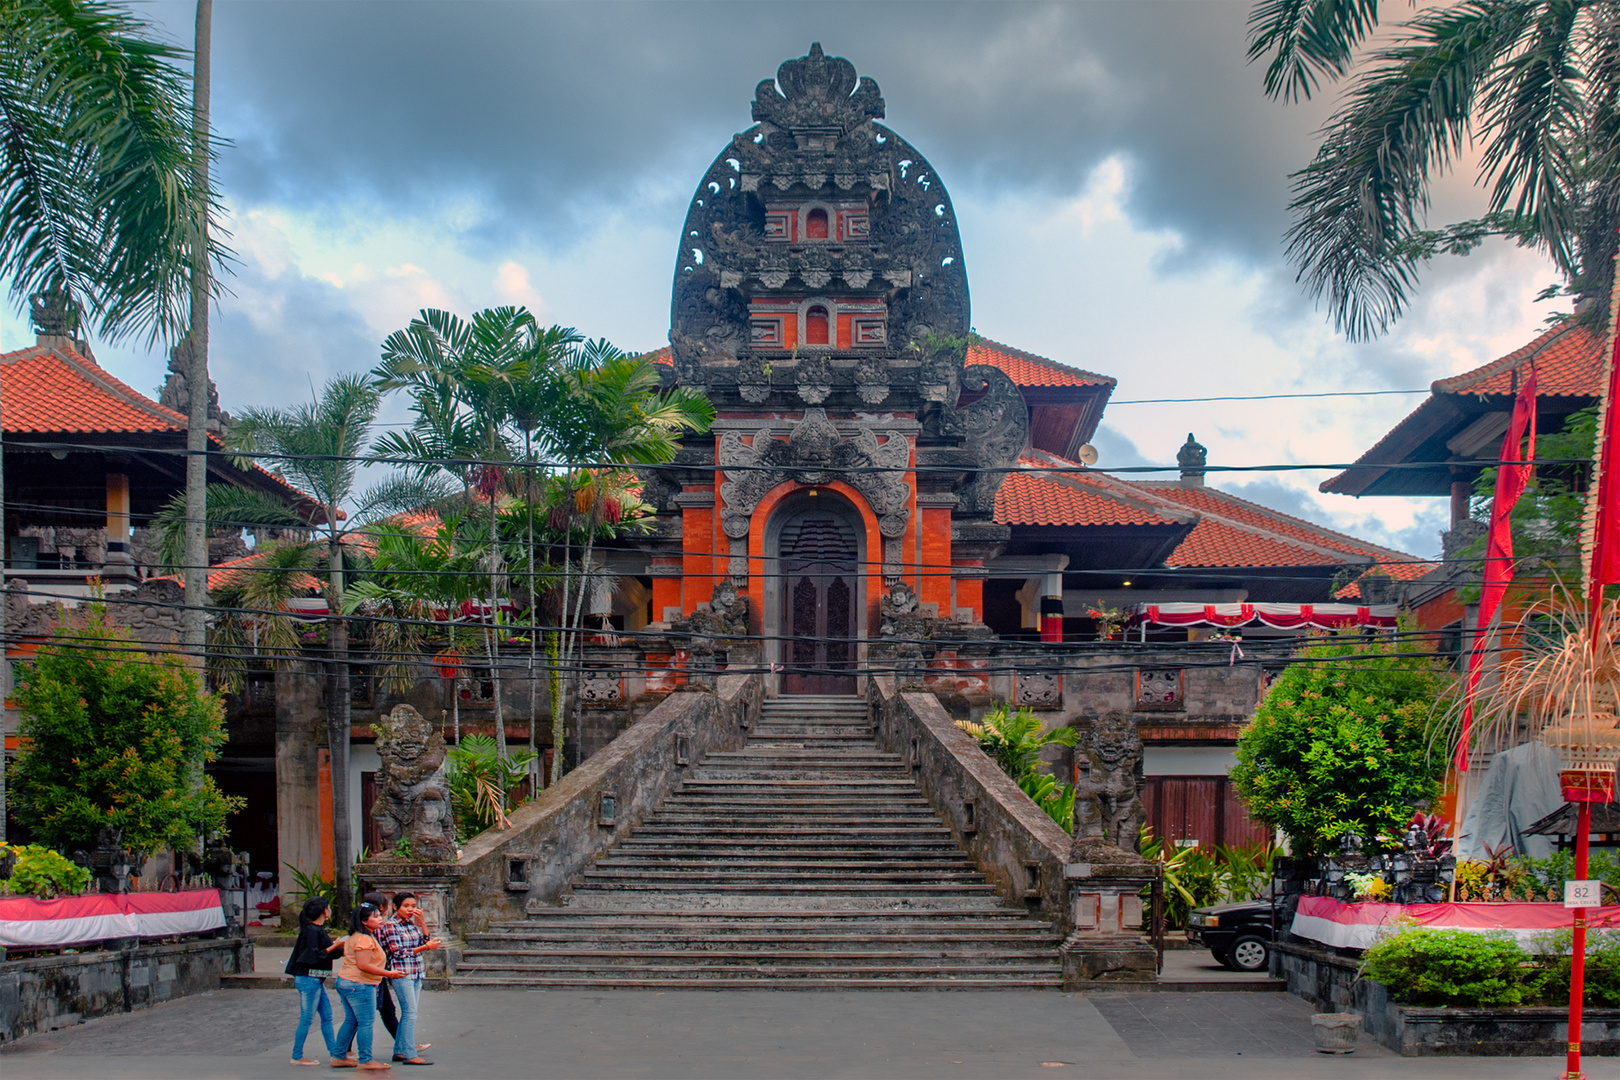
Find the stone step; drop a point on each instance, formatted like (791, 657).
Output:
(848, 873)
(747, 803)
(898, 890)
(833, 945)
(805, 919)
(830, 788)
(831, 855)
(786, 982)
(841, 757)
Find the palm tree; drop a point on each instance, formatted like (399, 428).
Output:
(1536, 83)
(98, 176)
(317, 448)
(461, 372)
(611, 411)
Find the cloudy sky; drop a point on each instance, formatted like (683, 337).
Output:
(1120, 181)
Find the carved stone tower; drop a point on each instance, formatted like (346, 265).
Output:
(821, 302)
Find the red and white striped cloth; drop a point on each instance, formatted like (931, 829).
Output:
(27, 923)
(1355, 926)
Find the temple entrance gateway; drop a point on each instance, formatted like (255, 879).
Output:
(817, 596)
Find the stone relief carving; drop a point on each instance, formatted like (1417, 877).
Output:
(902, 626)
(600, 687)
(1039, 689)
(872, 380)
(995, 428)
(812, 451)
(413, 796)
(814, 379)
(1108, 793)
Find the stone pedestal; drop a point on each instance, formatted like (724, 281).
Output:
(433, 885)
(1107, 944)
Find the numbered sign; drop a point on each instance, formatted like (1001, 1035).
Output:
(1579, 894)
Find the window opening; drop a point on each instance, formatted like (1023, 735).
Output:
(815, 226)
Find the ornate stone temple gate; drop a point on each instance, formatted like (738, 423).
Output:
(821, 302)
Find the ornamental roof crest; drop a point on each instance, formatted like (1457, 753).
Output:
(817, 95)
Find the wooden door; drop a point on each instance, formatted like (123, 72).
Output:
(1199, 809)
(818, 606)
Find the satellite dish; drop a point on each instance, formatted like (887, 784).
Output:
(1088, 454)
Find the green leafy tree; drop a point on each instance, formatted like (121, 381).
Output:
(115, 737)
(1533, 83)
(1341, 743)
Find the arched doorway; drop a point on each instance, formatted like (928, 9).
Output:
(817, 593)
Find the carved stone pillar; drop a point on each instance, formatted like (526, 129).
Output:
(1107, 944)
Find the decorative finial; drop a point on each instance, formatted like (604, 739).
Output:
(1191, 457)
(817, 97)
(54, 313)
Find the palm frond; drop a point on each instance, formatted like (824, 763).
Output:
(229, 507)
(97, 187)
(1308, 41)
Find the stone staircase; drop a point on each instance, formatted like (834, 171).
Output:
(807, 860)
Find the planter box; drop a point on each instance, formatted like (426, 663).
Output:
(49, 992)
(1328, 980)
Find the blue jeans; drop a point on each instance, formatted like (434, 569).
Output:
(408, 993)
(359, 1013)
(312, 1000)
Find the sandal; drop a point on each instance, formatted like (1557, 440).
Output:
(372, 1066)
(343, 1063)
(416, 1061)
(303, 1061)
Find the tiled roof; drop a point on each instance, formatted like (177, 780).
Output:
(1034, 496)
(1025, 369)
(1400, 571)
(1568, 360)
(1236, 532)
(49, 390)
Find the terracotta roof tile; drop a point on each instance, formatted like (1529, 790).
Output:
(48, 390)
(1027, 369)
(1236, 532)
(1568, 361)
(1032, 496)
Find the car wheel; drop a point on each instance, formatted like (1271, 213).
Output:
(1250, 953)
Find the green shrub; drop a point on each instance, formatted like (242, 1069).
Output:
(39, 871)
(484, 787)
(1460, 968)
(1550, 985)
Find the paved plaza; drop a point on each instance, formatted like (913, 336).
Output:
(722, 1034)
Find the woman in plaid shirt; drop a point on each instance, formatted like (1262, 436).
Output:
(405, 938)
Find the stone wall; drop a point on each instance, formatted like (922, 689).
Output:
(563, 831)
(1022, 850)
(50, 992)
(1330, 982)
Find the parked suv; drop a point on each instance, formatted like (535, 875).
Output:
(1239, 936)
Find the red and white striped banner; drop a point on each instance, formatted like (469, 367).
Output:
(27, 923)
(1356, 926)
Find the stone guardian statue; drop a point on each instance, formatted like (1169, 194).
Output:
(413, 796)
(1108, 792)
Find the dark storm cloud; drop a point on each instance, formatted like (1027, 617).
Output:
(546, 112)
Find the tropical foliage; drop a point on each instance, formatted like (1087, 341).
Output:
(1014, 741)
(1532, 84)
(1195, 877)
(1341, 743)
(114, 737)
(484, 784)
(98, 192)
(1425, 965)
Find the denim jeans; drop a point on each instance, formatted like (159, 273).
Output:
(359, 1013)
(312, 1000)
(408, 992)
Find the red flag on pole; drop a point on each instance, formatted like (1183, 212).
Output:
(1511, 480)
(1605, 565)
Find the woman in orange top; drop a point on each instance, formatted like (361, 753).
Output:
(364, 966)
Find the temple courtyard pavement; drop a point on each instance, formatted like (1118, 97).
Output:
(542, 1034)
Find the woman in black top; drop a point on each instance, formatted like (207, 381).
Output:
(311, 962)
